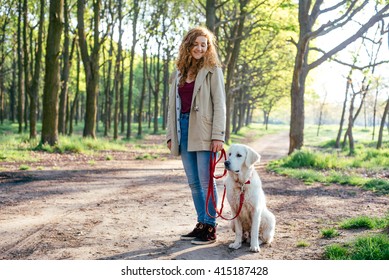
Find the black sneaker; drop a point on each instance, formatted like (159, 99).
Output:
(194, 233)
(207, 236)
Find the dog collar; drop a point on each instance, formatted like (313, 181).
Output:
(242, 188)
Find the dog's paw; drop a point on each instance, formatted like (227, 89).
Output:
(235, 245)
(255, 248)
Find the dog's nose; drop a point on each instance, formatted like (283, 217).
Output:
(227, 163)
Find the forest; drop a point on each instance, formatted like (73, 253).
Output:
(107, 64)
(85, 173)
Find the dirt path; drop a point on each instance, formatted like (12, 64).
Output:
(131, 209)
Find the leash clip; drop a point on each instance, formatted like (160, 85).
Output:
(242, 187)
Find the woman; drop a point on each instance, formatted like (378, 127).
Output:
(196, 122)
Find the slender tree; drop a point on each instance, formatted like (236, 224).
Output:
(66, 62)
(383, 120)
(136, 9)
(91, 65)
(117, 78)
(21, 88)
(34, 91)
(52, 74)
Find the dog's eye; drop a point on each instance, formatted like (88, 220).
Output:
(229, 154)
(238, 155)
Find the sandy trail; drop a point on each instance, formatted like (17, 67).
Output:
(132, 209)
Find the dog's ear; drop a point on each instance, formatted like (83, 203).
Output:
(251, 157)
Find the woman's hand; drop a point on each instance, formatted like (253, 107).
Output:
(216, 146)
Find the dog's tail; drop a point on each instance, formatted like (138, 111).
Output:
(268, 226)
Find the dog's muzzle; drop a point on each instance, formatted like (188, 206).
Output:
(227, 165)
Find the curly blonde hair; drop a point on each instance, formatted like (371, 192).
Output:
(186, 64)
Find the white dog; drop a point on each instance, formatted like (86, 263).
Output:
(254, 220)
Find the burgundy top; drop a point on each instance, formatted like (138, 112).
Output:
(186, 93)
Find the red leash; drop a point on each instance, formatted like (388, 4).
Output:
(212, 167)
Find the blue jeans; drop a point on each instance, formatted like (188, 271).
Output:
(196, 165)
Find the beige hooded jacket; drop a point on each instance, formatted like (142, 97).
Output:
(207, 119)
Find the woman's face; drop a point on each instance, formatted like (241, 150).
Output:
(199, 47)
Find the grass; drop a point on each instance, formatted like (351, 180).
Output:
(320, 162)
(303, 244)
(365, 222)
(18, 148)
(373, 246)
(329, 233)
(370, 247)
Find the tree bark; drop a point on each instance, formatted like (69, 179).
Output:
(210, 15)
(143, 91)
(52, 74)
(21, 88)
(131, 82)
(65, 73)
(34, 91)
(339, 135)
(91, 65)
(381, 131)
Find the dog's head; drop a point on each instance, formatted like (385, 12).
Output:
(240, 158)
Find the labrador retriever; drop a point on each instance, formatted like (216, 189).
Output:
(255, 222)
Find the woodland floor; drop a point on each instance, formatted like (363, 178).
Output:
(64, 207)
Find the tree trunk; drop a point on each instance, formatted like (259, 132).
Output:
(21, 88)
(65, 73)
(34, 91)
(321, 115)
(210, 14)
(52, 74)
(166, 77)
(375, 112)
(91, 65)
(231, 66)
(73, 109)
(6, 21)
(27, 73)
(12, 90)
(296, 134)
(143, 91)
(381, 131)
(117, 75)
(131, 82)
(337, 142)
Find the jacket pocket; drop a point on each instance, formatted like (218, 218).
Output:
(206, 128)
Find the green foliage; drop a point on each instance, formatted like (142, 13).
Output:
(379, 186)
(366, 223)
(369, 247)
(24, 167)
(306, 158)
(375, 247)
(80, 145)
(146, 156)
(336, 252)
(303, 244)
(329, 233)
(326, 165)
(18, 147)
